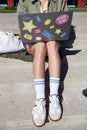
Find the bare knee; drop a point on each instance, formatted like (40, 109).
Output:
(53, 45)
(40, 49)
(36, 49)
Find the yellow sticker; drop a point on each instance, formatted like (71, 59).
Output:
(51, 27)
(58, 31)
(29, 26)
(47, 22)
(28, 37)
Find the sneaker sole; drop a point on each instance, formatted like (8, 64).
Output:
(54, 120)
(39, 125)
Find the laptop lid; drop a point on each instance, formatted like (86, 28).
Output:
(45, 26)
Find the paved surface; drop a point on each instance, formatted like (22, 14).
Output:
(17, 93)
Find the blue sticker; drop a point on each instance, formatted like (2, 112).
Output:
(47, 34)
(38, 18)
(64, 34)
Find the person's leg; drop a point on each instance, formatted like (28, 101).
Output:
(39, 52)
(54, 63)
(39, 69)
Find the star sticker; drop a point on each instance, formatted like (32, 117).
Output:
(58, 31)
(29, 26)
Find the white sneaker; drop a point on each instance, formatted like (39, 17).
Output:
(54, 108)
(39, 113)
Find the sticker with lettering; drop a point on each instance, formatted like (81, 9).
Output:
(47, 34)
(62, 19)
(28, 37)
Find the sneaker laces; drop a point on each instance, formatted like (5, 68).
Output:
(55, 101)
(39, 107)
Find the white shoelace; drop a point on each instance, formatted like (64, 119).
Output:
(39, 106)
(55, 101)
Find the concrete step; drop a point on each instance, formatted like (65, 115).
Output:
(81, 30)
(74, 67)
(79, 19)
(77, 57)
(81, 37)
(20, 71)
(67, 123)
(17, 100)
(17, 71)
(80, 44)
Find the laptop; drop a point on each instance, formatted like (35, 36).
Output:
(38, 27)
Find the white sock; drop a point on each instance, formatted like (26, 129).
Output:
(54, 85)
(40, 88)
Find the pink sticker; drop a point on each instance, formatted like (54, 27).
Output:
(37, 30)
(62, 19)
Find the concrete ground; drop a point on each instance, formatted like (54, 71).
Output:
(17, 93)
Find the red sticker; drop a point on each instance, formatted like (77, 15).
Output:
(62, 19)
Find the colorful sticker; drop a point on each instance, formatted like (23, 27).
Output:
(47, 34)
(58, 31)
(52, 26)
(37, 30)
(29, 26)
(62, 19)
(28, 37)
(38, 38)
(64, 34)
(38, 18)
(47, 22)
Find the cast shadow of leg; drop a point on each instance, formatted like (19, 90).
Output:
(64, 68)
(47, 91)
